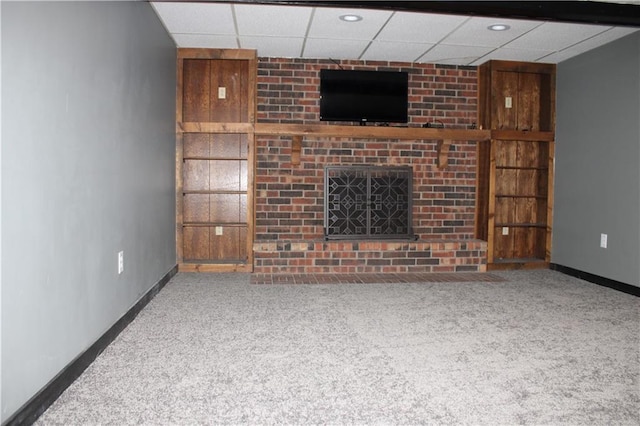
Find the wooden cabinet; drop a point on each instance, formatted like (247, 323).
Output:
(215, 114)
(515, 168)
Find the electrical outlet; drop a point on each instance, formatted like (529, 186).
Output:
(508, 102)
(603, 240)
(505, 230)
(219, 230)
(222, 92)
(120, 262)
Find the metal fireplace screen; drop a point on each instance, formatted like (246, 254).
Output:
(366, 202)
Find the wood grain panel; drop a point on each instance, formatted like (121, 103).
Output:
(197, 145)
(528, 102)
(196, 175)
(226, 246)
(243, 254)
(196, 88)
(482, 190)
(506, 181)
(225, 208)
(524, 245)
(528, 154)
(506, 154)
(196, 208)
(225, 175)
(526, 210)
(503, 244)
(526, 182)
(233, 76)
(229, 146)
(196, 243)
(505, 210)
(505, 85)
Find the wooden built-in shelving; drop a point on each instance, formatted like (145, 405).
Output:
(514, 200)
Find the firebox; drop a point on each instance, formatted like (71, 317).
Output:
(368, 202)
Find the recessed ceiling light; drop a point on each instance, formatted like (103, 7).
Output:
(351, 18)
(498, 27)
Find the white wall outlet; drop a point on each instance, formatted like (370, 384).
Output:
(508, 102)
(603, 240)
(120, 262)
(505, 230)
(222, 93)
(218, 230)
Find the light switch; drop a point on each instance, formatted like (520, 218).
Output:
(222, 92)
(508, 102)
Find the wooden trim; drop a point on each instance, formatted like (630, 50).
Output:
(550, 180)
(522, 135)
(523, 67)
(206, 127)
(515, 265)
(296, 147)
(443, 153)
(373, 132)
(215, 267)
(199, 53)
(179, 195)
(491, 216)
(38, 404)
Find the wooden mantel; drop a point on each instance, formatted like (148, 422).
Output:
(321, 130)
(298, 131)
(374, 132)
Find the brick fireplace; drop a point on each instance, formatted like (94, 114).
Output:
(290, 200)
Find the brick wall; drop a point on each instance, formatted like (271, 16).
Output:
(289, 199)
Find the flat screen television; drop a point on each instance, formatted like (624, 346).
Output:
(364, 96)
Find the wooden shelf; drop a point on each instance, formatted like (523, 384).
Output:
(214, 158)
(521, 225)
(539, 197)
(522, 135)
(374, 132)
(210, 224)
(211, 192)
(521, 168)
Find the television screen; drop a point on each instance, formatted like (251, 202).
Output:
(363, 96)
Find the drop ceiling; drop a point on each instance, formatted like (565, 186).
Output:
(381, 35)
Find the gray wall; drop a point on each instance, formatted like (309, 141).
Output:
(88, 126)
(597, 180)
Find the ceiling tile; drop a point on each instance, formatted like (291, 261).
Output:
(272, 20)
(206, 41)
(526, 55)
(275, 47)
(395, 51)
(555, 36)
(334, 49)
(326, 23)
(419, 28)
(592, 43)
(196, 18)
(454, 55)
(474, 32)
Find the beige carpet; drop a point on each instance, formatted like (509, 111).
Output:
(537, 348)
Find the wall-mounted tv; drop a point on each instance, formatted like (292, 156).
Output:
(363, 96)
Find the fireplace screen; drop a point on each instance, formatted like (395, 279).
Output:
(366, 202)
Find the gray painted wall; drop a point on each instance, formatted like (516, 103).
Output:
(88, 126)
(597, 180)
